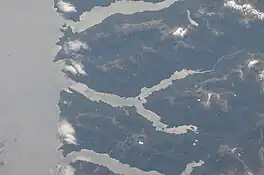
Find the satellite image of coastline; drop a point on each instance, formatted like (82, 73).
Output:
(161, 87)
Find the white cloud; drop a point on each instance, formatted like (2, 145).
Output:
(74, 67)
(67, 132)
(75, 45)
(79, 68)
(252, 63)
(245, 9)
(180, 32)
(65, 7)
(71, 69)
(67, 170)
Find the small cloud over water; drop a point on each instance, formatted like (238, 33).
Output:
(67, 132)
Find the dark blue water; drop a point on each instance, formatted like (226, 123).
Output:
(230, 120)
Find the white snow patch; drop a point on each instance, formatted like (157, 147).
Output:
(67, 132)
